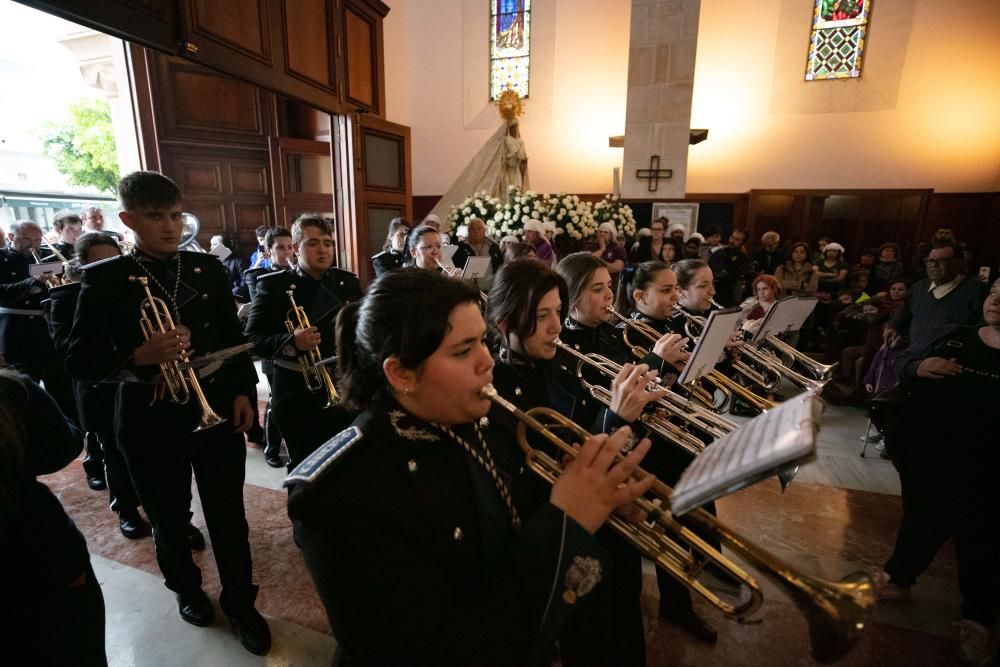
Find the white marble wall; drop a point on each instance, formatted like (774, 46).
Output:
(662, 49)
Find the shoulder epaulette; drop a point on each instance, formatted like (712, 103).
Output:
(335, 270)
(310, 470)
(379, 254)
(271, 275)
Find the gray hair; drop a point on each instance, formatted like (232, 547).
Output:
(19, 225)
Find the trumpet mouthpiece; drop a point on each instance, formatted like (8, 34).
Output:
(488, 391)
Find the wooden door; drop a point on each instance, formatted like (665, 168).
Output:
(382, 186)
(303, 180)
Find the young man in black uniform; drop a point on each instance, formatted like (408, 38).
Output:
(157, 434)
(70, 227)
(278, 242)
(321, 290)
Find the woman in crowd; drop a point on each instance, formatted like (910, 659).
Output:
(767, 291)
(888, 269)
(607, 248)
(798, 276)
(656, 246)
(53, 610)
(831, 270)
(495, 586)
(944, 447)
(692, 247)
(393, 254)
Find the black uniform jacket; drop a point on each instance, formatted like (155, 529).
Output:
(94, 401)
(41, 549)
(386, 261)
(321, 299)
(106, 330)
(23, 333)
(251, 276)
(413, 553)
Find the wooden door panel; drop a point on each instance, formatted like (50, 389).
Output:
(241, 26)
(309, 33)
(361, 59)
(250, 179)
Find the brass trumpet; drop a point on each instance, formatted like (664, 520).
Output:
(154, 317)
(693, 415)
(836, 612)
(314, 372)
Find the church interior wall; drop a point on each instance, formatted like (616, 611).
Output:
(930, 97)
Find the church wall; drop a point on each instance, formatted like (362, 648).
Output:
(436, 52)
(927, 100)
(929, 96)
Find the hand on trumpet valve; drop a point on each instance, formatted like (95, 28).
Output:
(307, 339)
(735, 340)
(671, 348)
(630, 391)
(163, 347)
(594, 484)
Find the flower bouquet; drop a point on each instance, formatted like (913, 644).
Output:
(510, 216)
(611, 209)
(481, 205)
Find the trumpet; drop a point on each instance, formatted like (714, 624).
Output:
(693, 415)
(154, 317)
(312, 365)
(51, 279)
(786, 355)
(836, 612)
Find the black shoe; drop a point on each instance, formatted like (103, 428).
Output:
(96, 481)
(196, 541)
(691, 623)
(274, 461)
(253, 632)
(196, 609)
(132, 525)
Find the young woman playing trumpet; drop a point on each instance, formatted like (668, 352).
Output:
(408, 520)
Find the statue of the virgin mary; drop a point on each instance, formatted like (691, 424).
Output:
(501, 163)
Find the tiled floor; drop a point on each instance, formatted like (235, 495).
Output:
(838, 515)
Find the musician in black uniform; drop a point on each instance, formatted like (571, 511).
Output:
(157, 434)
(70, 227)
(321, 290)
(393, 254)
(96, 402)
(406, 519)
(280, 252)
(526, 307)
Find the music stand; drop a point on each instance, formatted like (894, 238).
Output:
(717, 332)
(789, 314)
(476, 267)
(447, 252)
(774, 441)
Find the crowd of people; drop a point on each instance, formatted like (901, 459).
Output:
(401, 462)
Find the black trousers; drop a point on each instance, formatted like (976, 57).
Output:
(946, 495)
(304, 420)
(162, 451)
(272, 432)
(121, 490)
(63, 626)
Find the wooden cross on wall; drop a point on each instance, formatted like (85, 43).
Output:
(654, 173)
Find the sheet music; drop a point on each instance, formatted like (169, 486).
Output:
(476, 267)
(787, 315)
(781, 437)
(447, 252)
(718, 329)
(41, 268)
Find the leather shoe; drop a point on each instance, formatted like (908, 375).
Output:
(196, 541)
(132, 525)
(274, 461)
(691, 623)
(196, 609)
(96, 482)
(253, 632)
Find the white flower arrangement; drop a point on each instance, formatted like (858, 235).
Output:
(611, 209)
(572, 216)
(480, 205)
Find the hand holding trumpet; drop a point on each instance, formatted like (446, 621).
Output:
(163, 347)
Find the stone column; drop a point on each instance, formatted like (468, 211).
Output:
(662, 47)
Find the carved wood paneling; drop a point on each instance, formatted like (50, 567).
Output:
(250, 179)
(196, 177)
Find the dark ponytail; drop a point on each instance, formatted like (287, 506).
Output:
(404, 315)
(577, 270)
(642, 275)
(518, 288)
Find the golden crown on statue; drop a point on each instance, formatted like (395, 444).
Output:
(509, 104)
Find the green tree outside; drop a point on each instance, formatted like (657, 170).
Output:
(84, 147)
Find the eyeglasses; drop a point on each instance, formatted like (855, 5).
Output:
(937, 262)
(428, 248)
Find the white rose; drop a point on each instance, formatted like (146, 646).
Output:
(526, 209)
(524, 219)
(498, 216)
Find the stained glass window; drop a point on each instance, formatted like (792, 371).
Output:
(510, 34)
(838, 39)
